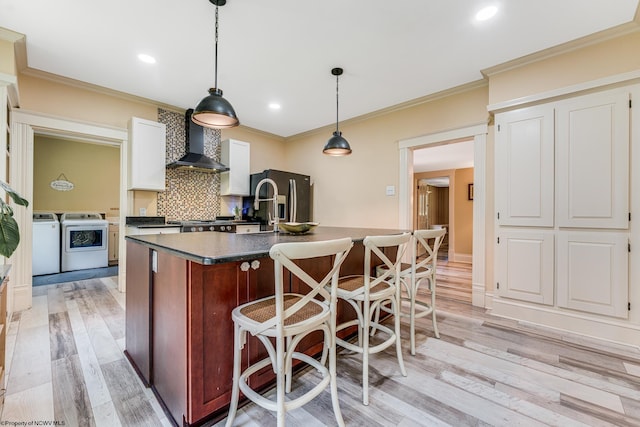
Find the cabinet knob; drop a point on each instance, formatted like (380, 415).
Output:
(255, 264)
(244, 266)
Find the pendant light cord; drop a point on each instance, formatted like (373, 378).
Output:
(216, 52)
(337, 105)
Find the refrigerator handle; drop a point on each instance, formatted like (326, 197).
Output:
(293, 203)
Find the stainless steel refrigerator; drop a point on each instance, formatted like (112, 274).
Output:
(294, 196)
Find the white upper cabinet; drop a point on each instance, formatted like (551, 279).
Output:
(525, 167)
(147, 155)
(592, 144)
(236, 155)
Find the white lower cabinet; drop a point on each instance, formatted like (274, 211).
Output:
(526, 267)
(593, 272)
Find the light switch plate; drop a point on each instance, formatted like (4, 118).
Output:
(391, 190)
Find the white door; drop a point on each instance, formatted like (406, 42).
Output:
(525, 167)
(592, 145)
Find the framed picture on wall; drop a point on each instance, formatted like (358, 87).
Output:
(470, 191)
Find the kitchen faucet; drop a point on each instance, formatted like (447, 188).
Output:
(274, 199)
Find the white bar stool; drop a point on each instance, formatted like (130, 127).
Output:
(424, 257)
(287, 318)
(366, 293)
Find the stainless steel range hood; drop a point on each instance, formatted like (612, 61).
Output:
(195, 158)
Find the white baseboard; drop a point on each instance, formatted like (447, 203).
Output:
(466, 258)
(610, 330)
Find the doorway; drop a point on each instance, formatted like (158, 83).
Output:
(482, 229)
(440, 204)
(74, 177)
(24, 126)
(432, 208)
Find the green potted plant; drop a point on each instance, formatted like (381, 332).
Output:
(9, 232)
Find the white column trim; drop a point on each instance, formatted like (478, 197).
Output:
(405, 194)
(479, 269)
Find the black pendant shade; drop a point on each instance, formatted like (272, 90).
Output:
(337, 145)
(214, 111)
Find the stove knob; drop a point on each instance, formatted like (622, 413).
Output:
(228, 228)
(211, 228)
(200, 229)
(192, 229)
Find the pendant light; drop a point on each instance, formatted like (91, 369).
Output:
(214, 111)
(337, 145)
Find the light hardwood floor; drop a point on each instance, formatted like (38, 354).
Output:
(65, 363)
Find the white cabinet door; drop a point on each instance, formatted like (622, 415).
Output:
(593, 272)
(592, 145)
(525, 265)
(524, 167)
(236, 156)
(147, 155)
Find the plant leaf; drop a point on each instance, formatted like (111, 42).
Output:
(9, 235)
(18, 200)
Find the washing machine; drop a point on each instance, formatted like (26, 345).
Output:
(84, 241)
(46, 243)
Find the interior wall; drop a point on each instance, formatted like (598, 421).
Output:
(80, 102)
(463, 212)
(595, 61)
(351, 190)
(7, 58)
(93, 169)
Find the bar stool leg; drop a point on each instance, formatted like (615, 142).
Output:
(412, 319)
(235, 391)
(432, 286)
(396, 305)
(280, 381)
(366, 319)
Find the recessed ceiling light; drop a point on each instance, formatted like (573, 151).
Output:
(148, 59)
(486, 13)
(274, 106)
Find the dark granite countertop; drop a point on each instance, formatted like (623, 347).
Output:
(212, 247)
(154, 225)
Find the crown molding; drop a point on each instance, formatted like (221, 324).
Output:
(591, 39)
(398, 107)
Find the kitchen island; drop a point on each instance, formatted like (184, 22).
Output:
(181, 289)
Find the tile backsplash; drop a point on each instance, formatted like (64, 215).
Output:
(189, 194)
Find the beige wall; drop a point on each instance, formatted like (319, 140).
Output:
(93, 169)
(267, 151)
(7, 58)
(350, 191)
(62, 100)
(595, 61)
(463, 214)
